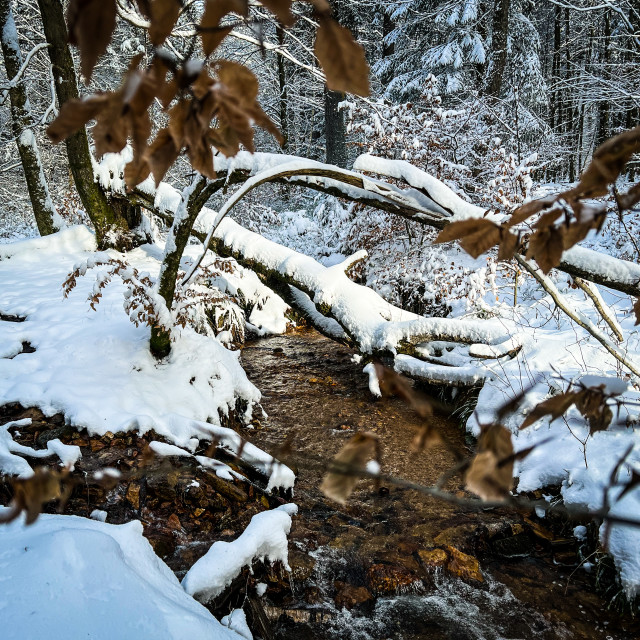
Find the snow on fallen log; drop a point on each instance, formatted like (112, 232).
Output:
(434, 189)
(464, 376)
(265, 538)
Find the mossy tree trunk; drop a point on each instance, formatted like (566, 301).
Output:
(111, 228)
(45, 213)
(193, 199)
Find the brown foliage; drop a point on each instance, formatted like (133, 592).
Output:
(221, 91)
(342, 59)
(549, 239)
(490, 474)
(591, 402)
(342, 478)
(30, 494)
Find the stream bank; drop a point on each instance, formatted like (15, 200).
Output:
(393, 562)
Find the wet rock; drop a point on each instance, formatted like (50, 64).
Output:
(513, 546)
(223, 487)
(433, 558)
(349, 596)
(463, 536)
(388, 579)
(133, 495)
(302, 566)
(174, 522)
(463, 566)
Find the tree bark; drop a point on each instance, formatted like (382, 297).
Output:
(45, 213)
(499, 36)
(177, 239)
(284, 97)
(335, 129)
(111, 228)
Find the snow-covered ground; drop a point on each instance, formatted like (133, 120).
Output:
(71, 577)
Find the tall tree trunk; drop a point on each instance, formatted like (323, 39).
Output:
(110, 222)
(499, 37)
(335, 129)
(284, 97)
(47, 217)
(603, 106)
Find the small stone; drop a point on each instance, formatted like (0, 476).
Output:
(198, 512)
(464, 566)
(433, 557)
(174, 522)
(109, 436)
(349, 596)
(96, 445)
(133, 495)
(387, 579)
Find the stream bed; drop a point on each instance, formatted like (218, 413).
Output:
(395, 563)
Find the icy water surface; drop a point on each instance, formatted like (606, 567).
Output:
(316, 398)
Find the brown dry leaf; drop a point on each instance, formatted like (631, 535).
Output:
(339, 483)
(508, 245)
(530, 208)
(30, 494)
(546, 247)
(136, 172)
(636, 311)
(463, 228)
(592, 404)
(210, 31)
(91, 24)
(609, 159)
(281, 9)
(630, 198)
(555, 407)
(490, 474)
(164, 15)
(161, 154)
(111, 130)
(342, 59)
(74, 114)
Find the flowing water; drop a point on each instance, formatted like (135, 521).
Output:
(367, 570)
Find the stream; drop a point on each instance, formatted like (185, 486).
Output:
(395, 563)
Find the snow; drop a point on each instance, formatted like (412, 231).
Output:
(95, 366)
(93, 580)
(265, 538)
(14, 464)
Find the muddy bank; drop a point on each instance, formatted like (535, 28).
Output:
(512, 574)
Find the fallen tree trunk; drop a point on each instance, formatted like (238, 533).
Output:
(351, 313)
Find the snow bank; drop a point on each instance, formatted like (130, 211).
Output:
(264, 539)
(95, 366)
(70, 577)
